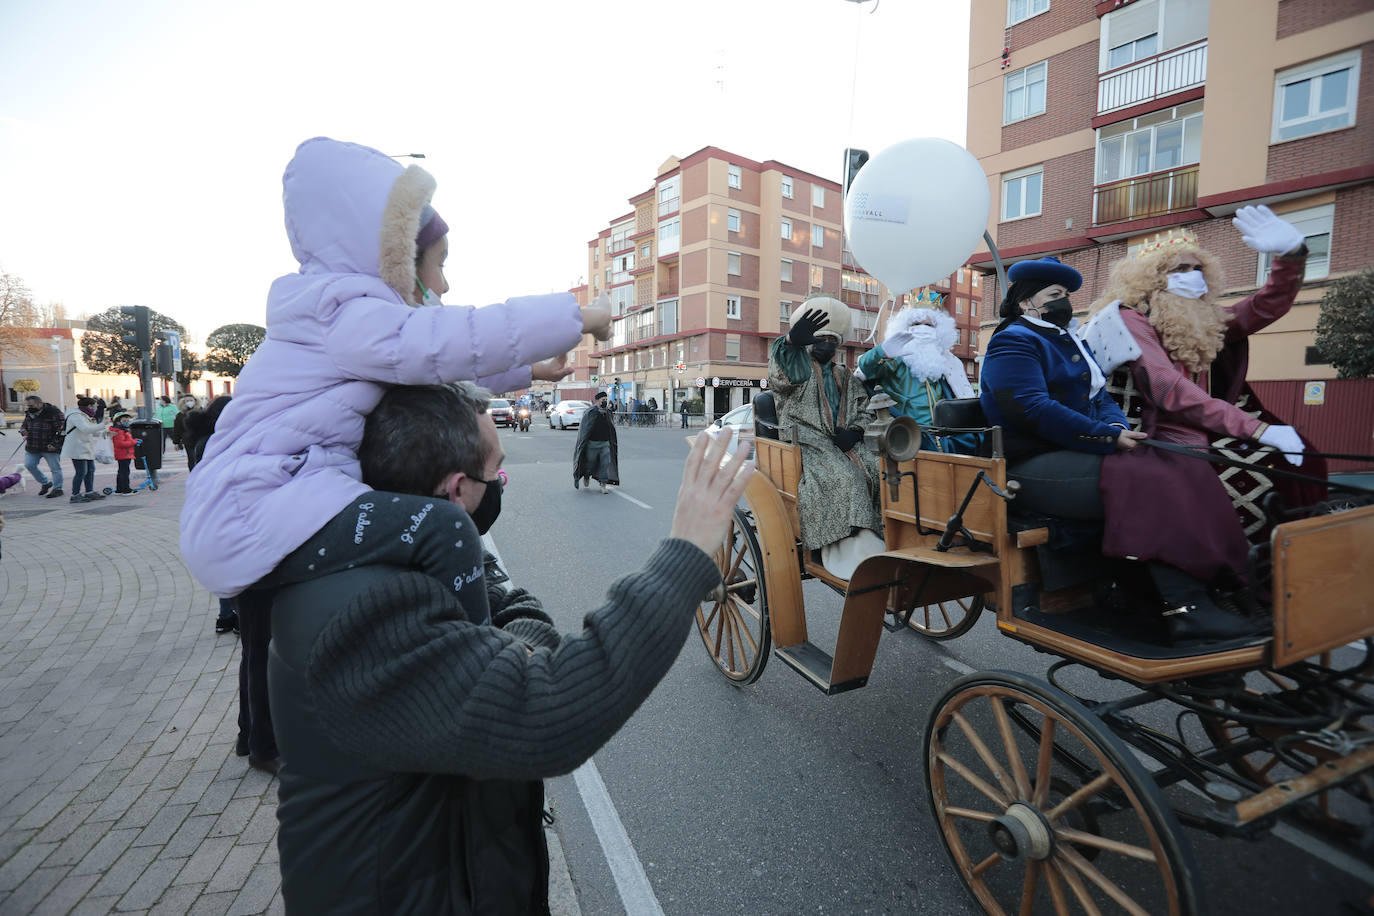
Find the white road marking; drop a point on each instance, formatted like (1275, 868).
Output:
(956, 665)
(623, 495)
(636, 893)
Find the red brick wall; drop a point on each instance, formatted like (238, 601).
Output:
(800, 244)
(1066, 193)
(1061, 17)
(749, 190)
(1352, 231)
(1338, 149)
(1070, 98)
(799, 203)
(831, 250)
(1300, 15)
(694, 271)
(694, 225)
(692, 313)
(830, 210)
(749, 230)
(749, 273)
(797, 287)
(695, 181)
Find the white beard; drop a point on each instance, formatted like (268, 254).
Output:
(926, 363)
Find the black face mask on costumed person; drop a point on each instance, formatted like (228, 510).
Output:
(1057, 312)
(484, 516)
(823, 350)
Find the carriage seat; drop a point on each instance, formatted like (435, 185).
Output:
(960, 413)
(765, 416)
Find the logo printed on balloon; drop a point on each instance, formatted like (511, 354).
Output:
(916, 212)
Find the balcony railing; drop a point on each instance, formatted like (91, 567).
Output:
(1145, 195)
(1152, 78)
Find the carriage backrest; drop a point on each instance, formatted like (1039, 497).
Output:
(1323, 590)
(781, 463)
(959, 413)
(765, 416)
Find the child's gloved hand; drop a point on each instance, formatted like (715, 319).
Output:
(596, 318)
(551, 370)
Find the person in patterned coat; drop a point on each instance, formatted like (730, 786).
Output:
(837, 496)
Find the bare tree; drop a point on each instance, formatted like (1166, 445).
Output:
(17, 315)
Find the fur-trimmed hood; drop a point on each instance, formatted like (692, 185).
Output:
(353, 210)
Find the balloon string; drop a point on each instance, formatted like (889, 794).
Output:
(873, 332)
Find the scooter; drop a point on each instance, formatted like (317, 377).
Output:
(522, 418)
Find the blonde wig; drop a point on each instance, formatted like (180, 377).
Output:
(1190, 329)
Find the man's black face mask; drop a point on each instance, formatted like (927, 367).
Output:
(823, 350)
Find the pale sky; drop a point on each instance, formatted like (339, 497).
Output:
(142, 142)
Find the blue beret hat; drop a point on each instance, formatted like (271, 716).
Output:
(1046, 270)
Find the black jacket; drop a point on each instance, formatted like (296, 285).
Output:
(39, 427)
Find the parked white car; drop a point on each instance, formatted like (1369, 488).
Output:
(566, 414)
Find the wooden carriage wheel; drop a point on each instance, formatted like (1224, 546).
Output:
(1030, 833)
(948, 619)
(733, 620)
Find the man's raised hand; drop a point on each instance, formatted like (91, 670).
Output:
(551, 370)
(710, 490)
(596, 318)
(804, 328)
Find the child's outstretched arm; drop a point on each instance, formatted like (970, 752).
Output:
(378, 341)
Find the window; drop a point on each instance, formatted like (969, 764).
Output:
(669, 199)
(644, 251)
(817, 276)
(1132, 51)
(976, 275)
(786, 228)
(817, 236)
(1316, 97)
(1021, 193)
(1315, 225)
(1145, 28)
(732, 307)
(732, 220)
(667, 317)
(1023, 93)
(732, 350)
(784, 310)
(787, 186)
(732, 263)
(817, 196)
(668, 234)
(736, 179)
(1155, 142)
(1021, 10)
(958, 306)
(961, 274)
(786, 274)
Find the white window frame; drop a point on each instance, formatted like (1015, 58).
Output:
(732, 220)
(732, 307)
(817, 196)
(734, 177)
(785, 272)
(817, 236)
(1021, 175)
(785, 310)
(787, 186)
(1312, 222)
(786, 228)
(1026, 79)
(669, 198)
(733, 264)
(1317, 70)
(1029, 6)
(1194, 115)
(669, 236)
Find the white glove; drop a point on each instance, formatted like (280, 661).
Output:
(1263, 231)
(1285, 439)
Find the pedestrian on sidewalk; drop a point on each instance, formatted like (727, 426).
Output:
(415, 733)
(124, 443)
(78, 446)
(683, 409)
(6, 482)
(166, 414)
(597, 452)
(42, 434)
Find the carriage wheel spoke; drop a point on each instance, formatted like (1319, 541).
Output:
(989, 761)
(1044, 764)
(1079, 797)
(944, 614)
(986, 864)
(1033, 870)
(734, 564)
(972, 779)
(1061, 905)
(1102, 881)
(740, 628)
(971, 814)
(1080, 838)
(1018, 766)
(1075, 884)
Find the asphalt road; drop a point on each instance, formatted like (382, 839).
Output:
(774, 799)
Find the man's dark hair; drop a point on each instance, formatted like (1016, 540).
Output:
(33, 397)
(85, 402)
(418, 435)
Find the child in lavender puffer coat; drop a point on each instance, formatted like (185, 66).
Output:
(6, 482)
(282, 464)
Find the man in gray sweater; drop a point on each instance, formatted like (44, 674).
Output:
(415, 722)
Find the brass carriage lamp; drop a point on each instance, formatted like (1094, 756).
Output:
(881, 406)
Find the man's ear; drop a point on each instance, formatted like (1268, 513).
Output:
(448, 487)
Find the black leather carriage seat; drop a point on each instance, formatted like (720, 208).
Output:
(960, 413)
(765, 416)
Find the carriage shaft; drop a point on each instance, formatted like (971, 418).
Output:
(1282, 794)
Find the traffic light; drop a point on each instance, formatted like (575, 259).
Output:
(162, 360)
(854, 160)
(142, 336)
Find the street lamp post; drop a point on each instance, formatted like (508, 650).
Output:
(61, 385)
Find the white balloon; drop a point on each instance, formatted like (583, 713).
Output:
(916, 211)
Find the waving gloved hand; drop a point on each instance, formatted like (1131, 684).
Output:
(804, 328)
(847, 437)
(1285, 439)
(1263, 231)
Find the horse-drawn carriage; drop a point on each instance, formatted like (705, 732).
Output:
(1048, 801)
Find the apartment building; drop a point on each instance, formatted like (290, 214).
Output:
(1100, 124)
(706, 269)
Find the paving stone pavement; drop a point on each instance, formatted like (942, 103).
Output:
(119, 788)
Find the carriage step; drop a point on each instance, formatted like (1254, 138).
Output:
(814, 664)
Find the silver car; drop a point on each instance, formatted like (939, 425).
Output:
(566, 414)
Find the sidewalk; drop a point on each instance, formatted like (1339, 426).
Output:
(119, 788)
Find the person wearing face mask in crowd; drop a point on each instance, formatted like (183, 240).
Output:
(837, 496)
(915, 366)
(1184, 356)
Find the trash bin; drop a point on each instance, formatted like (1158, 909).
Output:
(148, 444)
